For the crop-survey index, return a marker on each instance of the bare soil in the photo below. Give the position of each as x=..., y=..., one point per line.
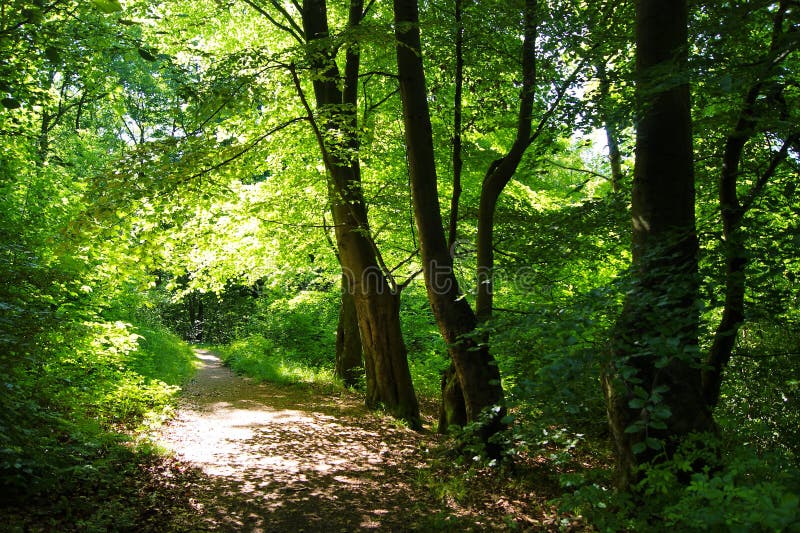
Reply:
x=264, y=457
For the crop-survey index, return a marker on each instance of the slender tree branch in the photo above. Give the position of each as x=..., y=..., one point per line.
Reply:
x=240, y=153
x=575, y=169
x=324, y=225
x=297, y=36
x=408, y=280
x=326, y=157
x=367, y=8
x=407, y=260
x=764, y=178
x=383, y=73
x=560, y=93
x=293, y=23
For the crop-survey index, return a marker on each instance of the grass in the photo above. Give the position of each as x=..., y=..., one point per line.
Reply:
x=70, y=462
x=259, y=358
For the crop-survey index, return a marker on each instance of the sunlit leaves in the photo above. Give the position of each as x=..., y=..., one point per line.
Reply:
x=107, y=6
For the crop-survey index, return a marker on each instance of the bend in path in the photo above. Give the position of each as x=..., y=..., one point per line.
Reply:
x=285, y=458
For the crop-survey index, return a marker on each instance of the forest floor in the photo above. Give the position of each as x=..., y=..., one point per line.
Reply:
x=253, y=456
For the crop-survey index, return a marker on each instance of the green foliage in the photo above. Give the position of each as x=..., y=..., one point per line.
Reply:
x=287, y=339
x=157, y=168
x=71, y=381
x=761, y=392
x=695, y=491
x=427, y=354
x=260, y=358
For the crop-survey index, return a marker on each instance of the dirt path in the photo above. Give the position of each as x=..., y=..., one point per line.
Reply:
x=278, y=458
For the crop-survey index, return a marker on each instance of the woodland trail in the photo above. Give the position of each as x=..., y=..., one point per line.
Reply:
x=286, y=458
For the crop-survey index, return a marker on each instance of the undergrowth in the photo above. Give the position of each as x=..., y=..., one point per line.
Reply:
x=260, y=358
x=67, y=416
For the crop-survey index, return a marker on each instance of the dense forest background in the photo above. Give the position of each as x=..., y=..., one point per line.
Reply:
x=302, y=187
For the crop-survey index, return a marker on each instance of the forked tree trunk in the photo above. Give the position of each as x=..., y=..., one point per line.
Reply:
x=375, y=300
x=653, y=382
x=733, y=210
x=474, y=366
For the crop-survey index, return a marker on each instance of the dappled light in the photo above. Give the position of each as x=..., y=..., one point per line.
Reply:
x=281, y=456
x=437, y=266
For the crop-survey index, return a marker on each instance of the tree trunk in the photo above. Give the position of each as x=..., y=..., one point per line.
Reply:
x=475, y=368
x=376, y=302
x=610, y=126
x=349, y=355
x=653, y=382
x=502, y=170
x=458, y=162
x=453, y=409
x=732, y=212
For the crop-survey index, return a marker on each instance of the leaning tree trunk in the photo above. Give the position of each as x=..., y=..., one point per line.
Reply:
x=733, y=210
x=474, y=366
x=375, y=300
x=501, y=171
x=653, y=381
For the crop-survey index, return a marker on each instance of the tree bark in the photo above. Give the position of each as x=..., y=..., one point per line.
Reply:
x=349, y=354
x=653, y=382
x=474, y=366
x=732, y=212
x=458, y=162
x=375, y=300
x=502, y=170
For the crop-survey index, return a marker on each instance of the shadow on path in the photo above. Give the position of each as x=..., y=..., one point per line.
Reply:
x=287, y=458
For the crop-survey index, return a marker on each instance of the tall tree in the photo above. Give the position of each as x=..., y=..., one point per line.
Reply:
x=653, y=382
x=475, y=368
x=376, y=298
x=763, y=109
x=502, y=170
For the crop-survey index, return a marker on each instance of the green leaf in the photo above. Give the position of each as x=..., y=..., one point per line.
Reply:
x=636, y=427
x=636, y=403
x=639, y=447
x=653, y=443
x=107, y=6
x=146, y=55
x=52, y=54
x=662, y=412
x=10, y=103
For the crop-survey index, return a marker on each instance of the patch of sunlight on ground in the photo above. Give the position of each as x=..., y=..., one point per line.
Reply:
x=284, y=452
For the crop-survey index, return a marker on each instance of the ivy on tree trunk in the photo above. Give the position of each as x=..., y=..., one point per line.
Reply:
x=653, y=380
